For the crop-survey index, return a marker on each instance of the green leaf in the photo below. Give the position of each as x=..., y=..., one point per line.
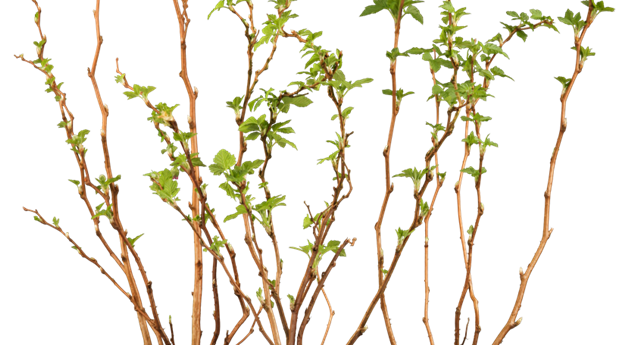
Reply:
x=240, y=209
x=474, y=172
x=536, y=14
x=105, y=182
x=218, y=7
x=402, y=234
x=499, y=72
x=75, y=182
x=378, y=6
x=223, y=161
x=318, y=217
x=486, y=74
x=132, y=241
x=56, y=221
x=415, y=13
x=522, y=35
x=415, y=175
x=259, y=295
x=470, y=230
x=107, y=212
x=77, y=249
x=298, y=101
x=216, y=245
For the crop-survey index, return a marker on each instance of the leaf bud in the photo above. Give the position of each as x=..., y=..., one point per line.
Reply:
x=80, y=189
x=520, y=271
x=363, y=329
x=102, y=133
x=189, y=119
x=67, y=235
x=69, y=125
x=518, y=322
x=95, y=227
x=102, y=270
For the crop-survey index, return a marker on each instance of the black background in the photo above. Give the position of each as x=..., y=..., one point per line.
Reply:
x=77, y=305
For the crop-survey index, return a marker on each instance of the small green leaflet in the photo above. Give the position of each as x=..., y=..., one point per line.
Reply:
x=132, y=241
x=222, y=162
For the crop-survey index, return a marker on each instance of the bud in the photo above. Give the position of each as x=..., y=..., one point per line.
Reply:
x=482, y=208
x=189, y=119
x=69, y=125
x=102, y=133
x=80, y=189
x=518, y=322
x=67, y=235
x=363, y=330
x=426, y=240
x=230, y=247
x=95, y=227
x=102, y=270
x=520, y=271
x=456, y=184
x=92, y=259
x=196, y=91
